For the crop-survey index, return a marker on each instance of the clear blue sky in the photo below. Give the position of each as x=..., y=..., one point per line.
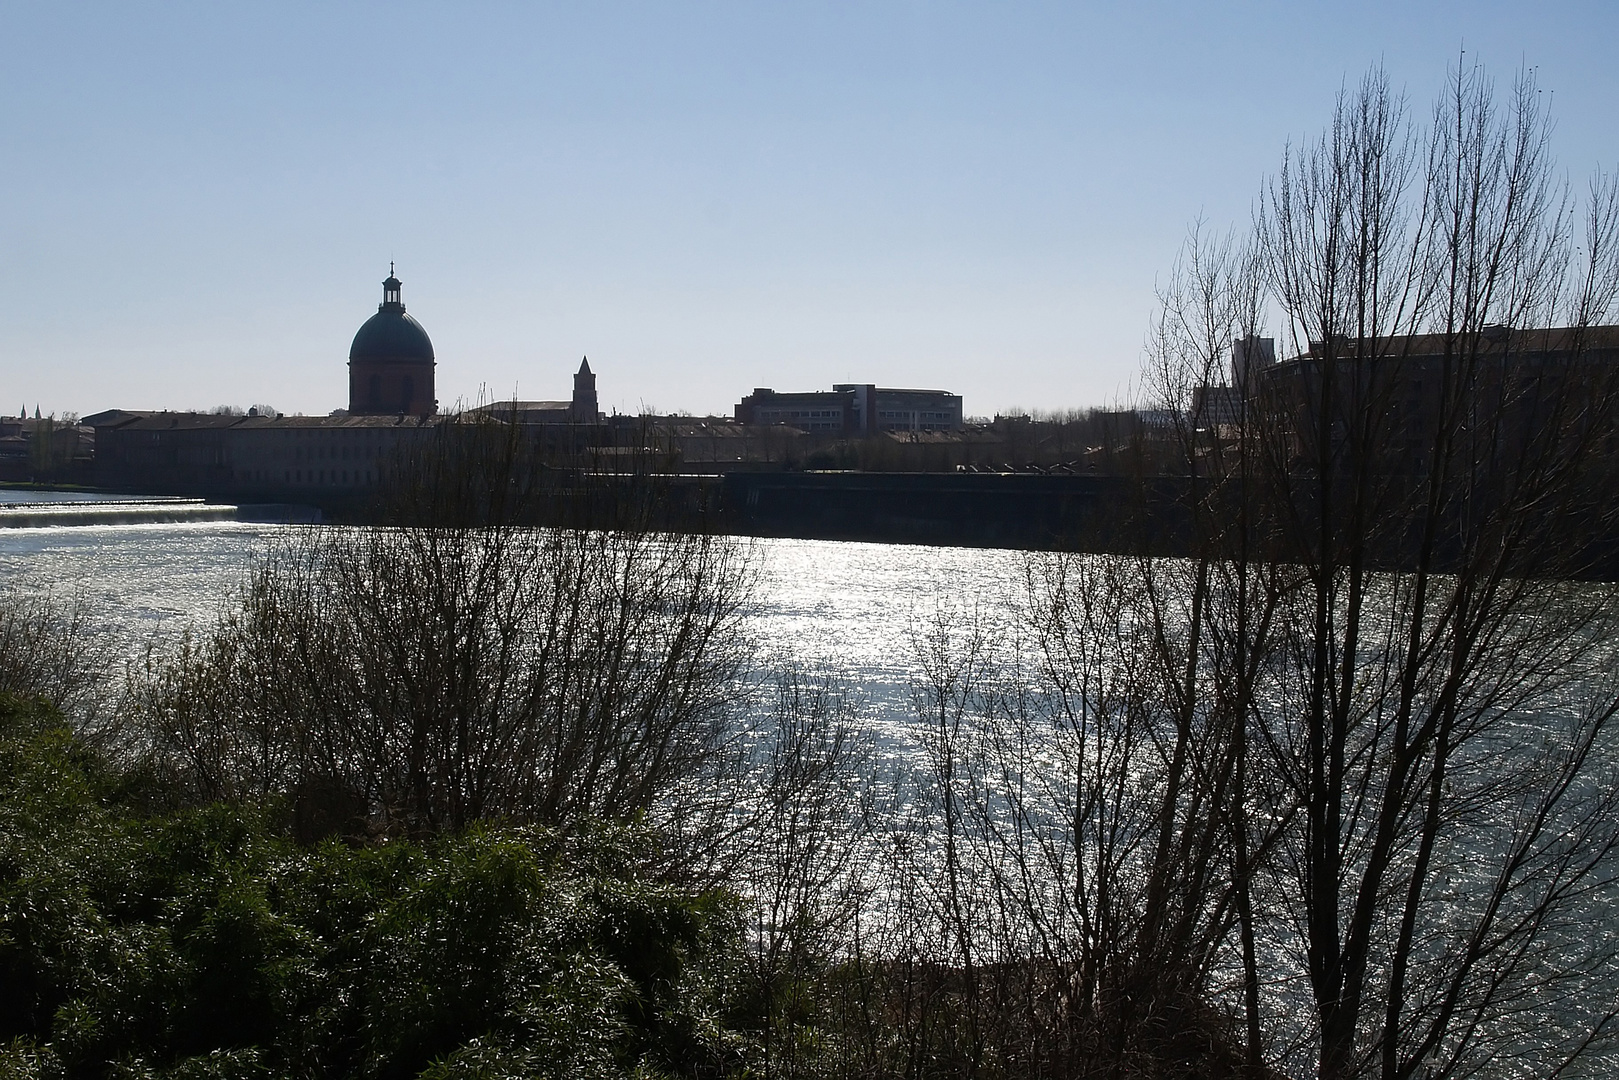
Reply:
x=199, y=201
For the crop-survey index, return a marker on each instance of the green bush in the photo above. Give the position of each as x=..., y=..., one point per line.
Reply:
x=205, y=943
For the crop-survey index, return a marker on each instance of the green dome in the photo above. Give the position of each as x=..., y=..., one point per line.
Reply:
x=391, y=334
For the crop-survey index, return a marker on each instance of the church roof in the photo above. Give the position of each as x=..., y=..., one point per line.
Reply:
x=522, y=406
x=153, y=420
x=391, y=334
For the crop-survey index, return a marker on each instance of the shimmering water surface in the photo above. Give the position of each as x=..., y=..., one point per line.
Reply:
x=849, y=609
x=138, y=578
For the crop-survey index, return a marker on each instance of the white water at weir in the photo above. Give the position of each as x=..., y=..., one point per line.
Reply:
x=65, y=513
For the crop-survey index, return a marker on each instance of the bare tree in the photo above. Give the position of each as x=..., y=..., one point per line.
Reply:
x=467, y=664
x=1383, y=245
x=1343, y=767
x=1382, y=624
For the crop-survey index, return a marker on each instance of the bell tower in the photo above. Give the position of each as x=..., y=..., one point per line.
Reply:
x=584, y=409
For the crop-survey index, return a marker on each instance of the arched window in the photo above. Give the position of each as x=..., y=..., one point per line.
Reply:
x=376, y=392
x=407, y=393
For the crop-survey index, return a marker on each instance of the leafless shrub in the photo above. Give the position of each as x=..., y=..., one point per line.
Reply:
x=806, y=873
x=466, y=664
x=1012, y=868
x=440, y=677
x=51, y=648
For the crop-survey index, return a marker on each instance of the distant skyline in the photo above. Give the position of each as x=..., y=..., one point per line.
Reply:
x=199, y=202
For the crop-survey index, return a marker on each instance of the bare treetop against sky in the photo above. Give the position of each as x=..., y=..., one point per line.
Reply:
x=198, y=202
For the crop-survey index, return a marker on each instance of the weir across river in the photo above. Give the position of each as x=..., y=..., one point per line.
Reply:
x=38, y=515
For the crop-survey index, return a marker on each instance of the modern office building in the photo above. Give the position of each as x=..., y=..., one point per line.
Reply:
x=853, y=409
x=881, y=408
x=816, y=410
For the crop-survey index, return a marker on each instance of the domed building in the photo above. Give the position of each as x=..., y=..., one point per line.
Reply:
x=391, y=362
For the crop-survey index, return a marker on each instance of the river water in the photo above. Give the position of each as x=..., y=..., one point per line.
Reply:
x=852, y=611
x=846, y=609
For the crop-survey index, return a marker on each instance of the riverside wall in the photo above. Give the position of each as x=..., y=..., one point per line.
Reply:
x=1012, y=510
x=1032, y=511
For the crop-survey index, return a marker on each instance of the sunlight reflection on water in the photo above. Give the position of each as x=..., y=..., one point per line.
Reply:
x=137, y=578
x=854, y=609
x=846, y=609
